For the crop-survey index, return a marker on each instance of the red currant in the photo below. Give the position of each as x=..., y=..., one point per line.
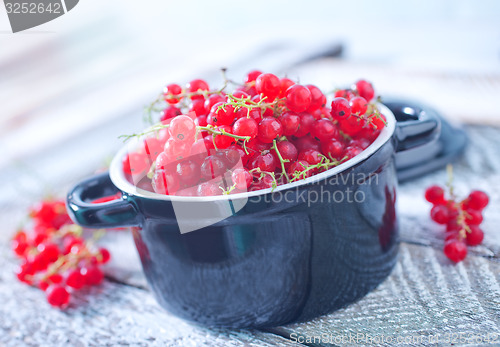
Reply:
x=333, y=149
x=365, y=89
x=188, y=171
x=165, y=182
x=298, y=98
x=290, y=123
x=268, y=85
x=440, y=214
x=197, y=86
x=340, y=108
x=222, y=114
x=318, y=99
x=285, y=84
x=306, y=122
x=241, y=178
x=455, y=250
x=435, y=195
x=213, y=167
x=170, y=112
x=252, y=76
x=75, y=279
x=246, y=127
x=223, y=141
x=324, y=130
x=477, y=200
x=182, y=129
x=358, y=105
x=57, y=296
x=171, y=92
x=92, y=275
x=475, y=236
x=265, y=161
x=269, y=129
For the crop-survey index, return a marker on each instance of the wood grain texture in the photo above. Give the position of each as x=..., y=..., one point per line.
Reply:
x=425, y=295
x=110, y=315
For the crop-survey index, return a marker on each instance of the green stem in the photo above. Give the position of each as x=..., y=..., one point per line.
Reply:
x=282, y=161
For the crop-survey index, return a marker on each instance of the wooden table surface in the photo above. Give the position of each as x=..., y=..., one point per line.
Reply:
x=69, y=129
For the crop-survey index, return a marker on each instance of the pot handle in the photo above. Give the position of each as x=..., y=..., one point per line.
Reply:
x=111, y=214
x=416, y=124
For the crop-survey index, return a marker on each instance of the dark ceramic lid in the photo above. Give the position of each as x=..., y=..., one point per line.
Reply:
x=433, y=153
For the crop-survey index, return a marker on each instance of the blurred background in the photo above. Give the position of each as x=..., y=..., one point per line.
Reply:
x=70, y=87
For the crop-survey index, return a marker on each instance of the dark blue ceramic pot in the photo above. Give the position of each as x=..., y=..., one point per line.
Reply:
x=265, y=258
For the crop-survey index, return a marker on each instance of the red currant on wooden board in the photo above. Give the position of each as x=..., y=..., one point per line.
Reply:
x=461, y=217
x=267, y=132
x=56, y=256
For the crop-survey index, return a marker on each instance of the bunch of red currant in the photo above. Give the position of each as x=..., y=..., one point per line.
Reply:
x=462, y=219
x=269, y=131
x=55, y=256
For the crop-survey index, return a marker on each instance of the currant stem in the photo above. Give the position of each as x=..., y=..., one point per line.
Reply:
x=282, y=161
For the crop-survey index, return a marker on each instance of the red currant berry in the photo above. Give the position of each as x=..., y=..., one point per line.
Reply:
x=92, y=275
x=222, y=114
x=197, y=86
x=299, y=167
x=340, y=108
x=213, y=167
x=475, y=236
x=268, y=85
x=246, y=127
x=352, y=125
x=264, y=161
x=298, y=98
x=241, y=178
x=324, y=130
x=104, y=256
x=49, y=251
x=201, y=121
x=365, y=89
x=75, y=279
x=135, y=163
x=19, y=247
x=477, y=200
x=224, y=141
x=165, y=182
x=344, y=93
x=25, y=271
x=212, y=100
x=153, y=147
x=358, y=105
x=306, y=142
x=290, y=123
x=208, y=189
x=198, y=107
x=288, y=151
x=473, y=217
x=170, y=112
x=188, y=171
x=171, y=92
x=352, y=151
x=252, y=76
x=435, y=195
x=312, y=156
x=57, y=296
x=182, y=129
x=455, y=250
x=333, y=149
x=269, y=129
x=306, y=122
x=440, y=214
x=176, y=150
x=318, y=99
x=285, y=84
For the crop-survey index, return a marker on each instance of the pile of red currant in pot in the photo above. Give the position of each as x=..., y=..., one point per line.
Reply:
x=268, y=131
x=55, y=255
x=462, y=219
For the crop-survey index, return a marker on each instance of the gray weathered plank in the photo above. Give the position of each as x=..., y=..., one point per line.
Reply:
x=108, y=315
x=425, y=295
